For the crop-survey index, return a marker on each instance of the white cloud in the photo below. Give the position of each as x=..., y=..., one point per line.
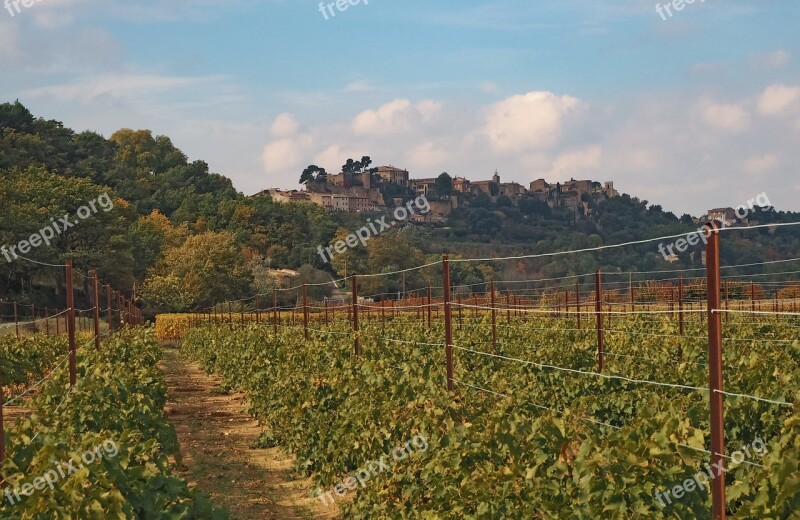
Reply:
x=488, y=86
x=584, y=162
x=391, y=118
x=89, y=89
x=761, y=164
x=528, y=122
x=776, y=99
x=285, y=155
x=730, y=118
x=396, y=117
x=334, y=156
x=428, y=109
x=427, y=156
x=285, y=125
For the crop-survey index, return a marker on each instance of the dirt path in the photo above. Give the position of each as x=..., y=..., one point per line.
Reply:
x=218, y=441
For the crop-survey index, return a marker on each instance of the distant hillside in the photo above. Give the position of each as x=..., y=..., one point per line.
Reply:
x=175, y=222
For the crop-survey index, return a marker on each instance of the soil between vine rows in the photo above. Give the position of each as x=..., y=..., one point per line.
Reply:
x=218, y=439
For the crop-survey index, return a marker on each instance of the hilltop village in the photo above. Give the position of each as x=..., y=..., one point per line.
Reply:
x=386, y=187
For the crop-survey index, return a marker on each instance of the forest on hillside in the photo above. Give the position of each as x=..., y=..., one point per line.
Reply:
x=183, y=238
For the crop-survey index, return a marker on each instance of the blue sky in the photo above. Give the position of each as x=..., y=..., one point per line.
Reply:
x=700, y=110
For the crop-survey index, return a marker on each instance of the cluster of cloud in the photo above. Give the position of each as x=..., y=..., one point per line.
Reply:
x=648, y=142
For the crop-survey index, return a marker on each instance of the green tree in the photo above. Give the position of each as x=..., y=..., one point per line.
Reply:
x=210, y=267
x=313, y=174
x=444, y=185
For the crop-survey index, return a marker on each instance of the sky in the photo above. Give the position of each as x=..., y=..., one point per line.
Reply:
x=691, y=111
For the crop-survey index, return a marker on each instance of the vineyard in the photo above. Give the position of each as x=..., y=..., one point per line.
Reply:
x=504, y=260
x=518, y=440
x=668, y=394
x=53, y=466
x=545, y=403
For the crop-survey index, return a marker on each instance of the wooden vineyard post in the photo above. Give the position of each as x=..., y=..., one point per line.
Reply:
x=274, y=311
x=630, y=291
x=383, y=317
x=258, y=317
x=120, y=310
x=671, y=300
x=448, y=326
x=110, y=315
x=356, y=342
x=508, y=306
x=578, y=304
x=326, y=310
x=715, y=373
x=680, y=304
x=599, y=311
x=16, y=319
x=73, y=369
x=305, y=311
x=96, y=310
x=429, y=306
x=46, y=321
x=494, y=319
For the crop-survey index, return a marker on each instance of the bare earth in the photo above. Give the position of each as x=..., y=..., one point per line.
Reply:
x=218, y=440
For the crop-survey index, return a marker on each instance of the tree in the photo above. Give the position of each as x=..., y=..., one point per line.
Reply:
x=352, y=260
x=387, y=253
x=210, y=267
x=264, y=281
x=317, y=280
x=352, y=168
x=313, y=174
x=534, y=207
x=504, y=201
x=444, y=185
x=150, y=236
x=167, y=293
x=98, y=239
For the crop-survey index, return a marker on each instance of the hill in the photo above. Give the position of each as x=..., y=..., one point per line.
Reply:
x=182, y=237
